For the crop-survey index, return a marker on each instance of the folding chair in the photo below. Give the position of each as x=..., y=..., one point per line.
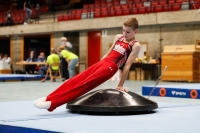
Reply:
x=54, y=73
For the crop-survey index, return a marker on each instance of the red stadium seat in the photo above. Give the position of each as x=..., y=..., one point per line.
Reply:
x=158, y=8
x=104, y=13
x=154, y=3
x=66, y=17
x=141, y=10
x=84, y=10
x=110, y=8
x=46, y=9
x=103, y=4
x=14, y=19
x=166, y=8
x=19, y=20
x=43, y=10
x=73, y=11
x=131, y=6
x=116, y=2
x=149, y=9
x=104, y=8
x=118, y=12
x=97, y=1
x=97, y=9
x=117, y=7
x=129, y=1
x=79, y=11
x=136, y=1
x=126, y=11
x=97, y=14
x=85, y=6
x=176, y=7
x=135, y=11
x=91, y=10
x=124, y=6
x=77, y=16
x=139, y=4
x=112, y=13
x=162, y=2
x=97, y=4
x=171, y=1
x=109, y=3
x=60, y=18
x=179, y=1
x=22, y=18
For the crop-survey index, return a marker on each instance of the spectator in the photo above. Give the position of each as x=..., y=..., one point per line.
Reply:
x=53, y=58
x=65, y=42
x=31, y=68
x=41, y=57
x=27, y=8
x=64, y=63
x=71, y=58
x=7, y=59
x=9, y=19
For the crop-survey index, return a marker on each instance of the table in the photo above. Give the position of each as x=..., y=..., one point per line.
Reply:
x=147, y=66
x=31, y=63
x=23, y=63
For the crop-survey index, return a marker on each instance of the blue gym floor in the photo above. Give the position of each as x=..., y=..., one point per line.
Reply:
x=20, y=77
x=17, y=113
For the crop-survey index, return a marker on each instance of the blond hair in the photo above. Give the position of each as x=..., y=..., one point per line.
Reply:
x=131, y=22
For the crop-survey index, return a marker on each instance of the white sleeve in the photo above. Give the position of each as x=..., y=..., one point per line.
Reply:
x=69, y=45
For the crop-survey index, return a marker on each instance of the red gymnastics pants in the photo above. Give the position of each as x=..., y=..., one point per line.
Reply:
x=82, y=83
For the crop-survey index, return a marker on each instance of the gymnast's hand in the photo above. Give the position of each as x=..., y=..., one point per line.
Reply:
x=122, y=89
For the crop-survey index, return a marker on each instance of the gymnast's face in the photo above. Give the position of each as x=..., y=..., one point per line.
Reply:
x=129, y=33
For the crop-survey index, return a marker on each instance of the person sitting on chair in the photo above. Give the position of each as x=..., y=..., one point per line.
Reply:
x=41, y=57
x=6, y=58
x=31, y=68
x=53, y=58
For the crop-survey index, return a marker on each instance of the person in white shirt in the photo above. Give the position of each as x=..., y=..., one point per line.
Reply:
x=6, y=59
x=65, y=42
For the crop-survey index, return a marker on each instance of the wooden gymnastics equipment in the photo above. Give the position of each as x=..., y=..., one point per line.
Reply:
x=184, y=65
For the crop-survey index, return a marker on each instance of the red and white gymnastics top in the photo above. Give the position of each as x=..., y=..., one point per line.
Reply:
x=121, y=51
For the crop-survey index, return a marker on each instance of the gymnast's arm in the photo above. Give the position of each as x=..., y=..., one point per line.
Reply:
x=134, y=54
x=116, y=38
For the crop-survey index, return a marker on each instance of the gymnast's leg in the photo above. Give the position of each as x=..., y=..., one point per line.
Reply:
x=79, y=85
